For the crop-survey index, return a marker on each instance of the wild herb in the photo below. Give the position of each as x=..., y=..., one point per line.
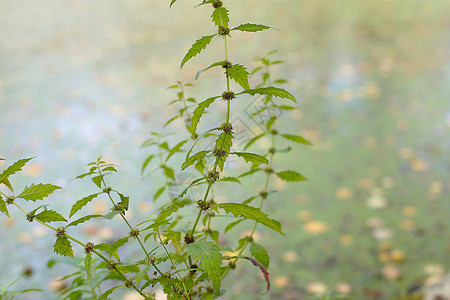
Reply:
x=181, y=249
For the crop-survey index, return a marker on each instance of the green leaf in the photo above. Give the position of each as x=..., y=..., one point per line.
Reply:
x=48, y=216
x=80, y=203
x=159, y=192
x=169, y=172
x=14, y=168
x=260, y=253
x=253, y=213
x=143, y=273
x=105, y=295
x=270, y=91
x=232, y=224
x=3, y=207
x=251, y=27
x=37, y=192
x=172, y=2
x=197, y=47
x=194, y=158
x=220, y=16
x=224, y=142
x=83, y=219
x=253, y=140
x=231, y=179
x=119, y=243
x=6, y=182
x=175, y=149
x=296, y=138
x=254, y=158
x=239, y=74
x=98, y=180
x=208, y=254
x=125, y=200
x=109, y=249
x=219, y=63
x=199, y=110
x=290, y=175
x=88, y=265
x=62, y=247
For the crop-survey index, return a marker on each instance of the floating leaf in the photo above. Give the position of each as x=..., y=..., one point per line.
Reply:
x=253, y=213
x=251, y=27
x=62, y=247
x=260, y=253
x=14, y=168
x=220, y=16
x=296, y=138
x=48, y=216
x=208, y=254
x=80, y=203
x=198, y=112
x=290, y=175
x=197, y=47
x=270, y=91
x=239, y=74
x=37, y=192
x=254, y=158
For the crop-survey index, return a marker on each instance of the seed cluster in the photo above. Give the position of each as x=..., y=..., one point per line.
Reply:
x=134, y=233
x=89, y=247
x=60, y=232
x=226, y=127
x=223, y=31
x=219, y=152
x=213, y=176
x=228, y=95
x=203, y=205
x=217, y=4
x=188, y=238
x=226, y=65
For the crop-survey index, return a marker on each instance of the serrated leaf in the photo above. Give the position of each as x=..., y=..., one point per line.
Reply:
x=48, y=216
x=199, y=110
x=88, y=265
x=14, y=168
x=83, y=219
x=296, y=138
x=143, y=273
x=209, y=257
x=251, y=27
x=119, y=243
x=109, y=249
x=3, y=207
x=124, y=199
x=254, y=158
x=63, y=247
x=105, y=295
x=80, y=203
x=37, y=192
x=224, y=142
x=220, y=16
x=197, y=47
x=290, y=175
x=260, y=253
x=270, y=91
x=194, y=158
x=219, y=63
x=240, y=75
x=253, y=213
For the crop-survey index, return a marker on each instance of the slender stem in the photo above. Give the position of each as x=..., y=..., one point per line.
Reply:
x=84, y=246
x=147, y=255
x=174, y=266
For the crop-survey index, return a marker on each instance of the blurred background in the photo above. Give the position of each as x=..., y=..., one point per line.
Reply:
x=81, y=79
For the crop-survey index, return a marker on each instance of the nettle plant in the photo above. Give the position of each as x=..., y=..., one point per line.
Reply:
x=182, y=251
